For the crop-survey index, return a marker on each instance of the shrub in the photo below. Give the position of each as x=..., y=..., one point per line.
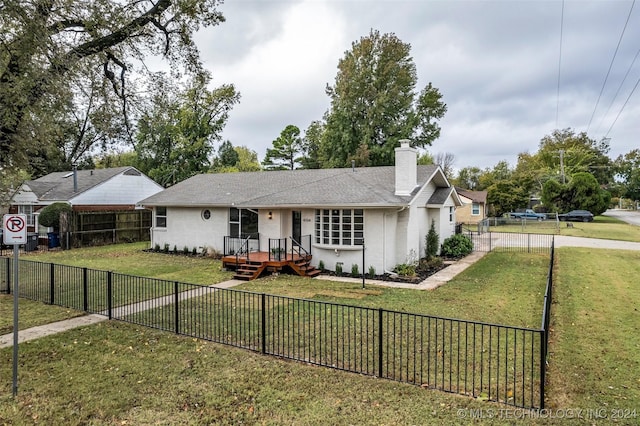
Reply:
x=321, y=265
x=166, y=248
x=372, y=271
x=156, y=247
x=458, y=245
x=433, y=239
x=354, y=270
x=339, y=268
x=175, y=249
x=405, y=269
x=194, y=251
x=185, y=250
x=50, y=215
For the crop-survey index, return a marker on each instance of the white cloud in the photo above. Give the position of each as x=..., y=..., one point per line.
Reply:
x=495, y=62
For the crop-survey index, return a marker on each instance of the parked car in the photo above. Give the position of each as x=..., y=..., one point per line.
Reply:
x=528, y=214
x=577, y=216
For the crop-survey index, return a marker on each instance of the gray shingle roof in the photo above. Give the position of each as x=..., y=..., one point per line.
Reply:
x=439, y=196
x=58, y=186
x=367, y=186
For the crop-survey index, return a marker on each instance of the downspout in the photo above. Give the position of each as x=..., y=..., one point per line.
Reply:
x=384, y=239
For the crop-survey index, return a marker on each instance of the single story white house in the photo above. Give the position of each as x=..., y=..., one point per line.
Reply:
x=332, y=213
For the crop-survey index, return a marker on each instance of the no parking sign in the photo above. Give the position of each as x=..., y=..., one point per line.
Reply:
x=15, y=228
x=15, y=232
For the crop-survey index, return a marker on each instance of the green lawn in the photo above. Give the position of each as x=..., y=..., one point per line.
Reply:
x=114, y=373
x=604, y=227
x=132, y=259
x=30, y=313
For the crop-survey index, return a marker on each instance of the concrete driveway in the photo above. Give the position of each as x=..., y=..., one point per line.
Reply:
x=629, y=216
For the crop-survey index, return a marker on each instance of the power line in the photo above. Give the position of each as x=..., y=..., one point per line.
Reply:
x=560, y=64
x=624, y=105
x=611, y=65
x=619, y=87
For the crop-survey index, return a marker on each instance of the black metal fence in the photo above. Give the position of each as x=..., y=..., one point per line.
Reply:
x=509, y=241
x=495, y=362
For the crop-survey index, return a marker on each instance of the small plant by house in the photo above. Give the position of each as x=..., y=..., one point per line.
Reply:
x=354, y=270
x=456, y=246
x=432, y=240
x=339, y=268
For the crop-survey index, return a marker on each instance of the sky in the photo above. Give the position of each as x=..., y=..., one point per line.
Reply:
x=510, y=71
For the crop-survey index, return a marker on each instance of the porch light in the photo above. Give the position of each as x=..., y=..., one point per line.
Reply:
x=270, y=215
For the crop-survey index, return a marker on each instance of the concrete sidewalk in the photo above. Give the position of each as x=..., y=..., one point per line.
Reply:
x=59, y=326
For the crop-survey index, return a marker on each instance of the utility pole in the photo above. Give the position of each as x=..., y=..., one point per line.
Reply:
x=562, y=165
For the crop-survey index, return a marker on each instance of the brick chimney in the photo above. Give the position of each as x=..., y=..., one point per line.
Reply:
x=406, y=168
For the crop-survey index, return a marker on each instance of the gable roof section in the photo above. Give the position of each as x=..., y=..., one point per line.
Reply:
x=441, y=195
x=366, y=186
x=58, y=186
x=474, y=196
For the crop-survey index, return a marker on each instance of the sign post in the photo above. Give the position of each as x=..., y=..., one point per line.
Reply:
x=15, y=232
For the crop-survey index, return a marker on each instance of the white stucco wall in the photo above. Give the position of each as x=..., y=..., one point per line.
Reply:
x=186, y=227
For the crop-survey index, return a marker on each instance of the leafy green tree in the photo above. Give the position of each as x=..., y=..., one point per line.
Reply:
x=553, y=194
x=176, y=135
x=46, y=44
x=247, y=160
x=227, y=157
x=505, y=196
x=116, y=159
x=285, y=154
x=374, y=104
x=566, y=153
x=425, y=159
x=584, y=192
x=469, y=178
x=310, y=158
x=628, y=171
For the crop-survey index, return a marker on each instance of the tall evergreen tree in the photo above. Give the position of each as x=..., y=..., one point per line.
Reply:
x=286, y=150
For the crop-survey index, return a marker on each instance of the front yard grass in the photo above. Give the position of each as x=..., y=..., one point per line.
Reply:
x=115, y=373
x=603, y=227
x=595, y=349
x=132, y=259
x=31, y=314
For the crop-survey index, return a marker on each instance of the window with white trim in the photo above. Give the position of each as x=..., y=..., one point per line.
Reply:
x=452, y=214
x=475, y=209
x=27, y=209
x=339, y=227
x=161, y=217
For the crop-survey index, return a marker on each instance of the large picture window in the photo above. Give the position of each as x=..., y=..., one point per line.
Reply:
x=243, y=223
x=161, y=217
x=339, y=227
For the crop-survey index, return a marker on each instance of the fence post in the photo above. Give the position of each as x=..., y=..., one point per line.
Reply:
x=543, y=366
x=8, y=276
x=109, y=294
x=176, y=302
x=380, y=352
x=52, y=283
x=263, y=332
x=85, y=296
x=528, y=243
x=490, y=239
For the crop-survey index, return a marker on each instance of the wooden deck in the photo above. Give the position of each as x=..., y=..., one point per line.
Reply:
x=258, y=263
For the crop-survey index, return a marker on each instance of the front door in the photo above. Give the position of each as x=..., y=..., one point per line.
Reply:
x=296, y=225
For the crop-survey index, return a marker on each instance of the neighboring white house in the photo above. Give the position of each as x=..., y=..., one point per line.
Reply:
x=388, y=209
x=85, y=190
